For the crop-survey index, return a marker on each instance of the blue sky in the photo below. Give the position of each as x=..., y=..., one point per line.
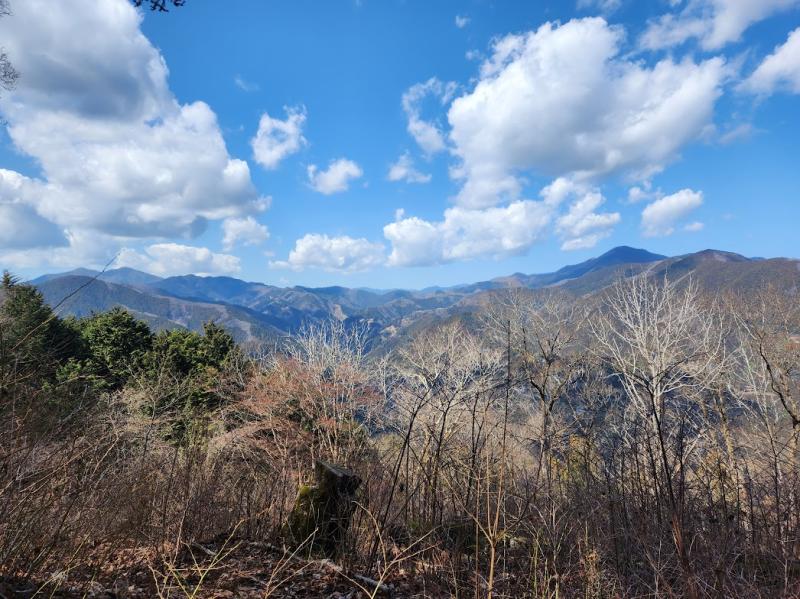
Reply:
x=396, y=143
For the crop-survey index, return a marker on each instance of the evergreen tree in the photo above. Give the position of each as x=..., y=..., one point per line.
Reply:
x=116, y=344
x=33, y=340
x=189, y=368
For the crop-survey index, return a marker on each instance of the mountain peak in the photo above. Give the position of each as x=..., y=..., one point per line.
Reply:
x=720, y=256
x=622, y=254
x=122, y=276
x=626, y=253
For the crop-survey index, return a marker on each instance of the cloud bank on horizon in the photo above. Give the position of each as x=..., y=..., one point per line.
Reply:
x=559, y=135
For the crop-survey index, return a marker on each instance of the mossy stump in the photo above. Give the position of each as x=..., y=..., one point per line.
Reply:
x=321, y=514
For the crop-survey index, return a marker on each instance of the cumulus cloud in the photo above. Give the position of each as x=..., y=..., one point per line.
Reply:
x=638, y=194
x=168, y=259
x=243, y=231
x=118, y=153
x=276, y=139
x=336, y=178
x=714, y=23
x=415, y=242
x=23, y=227
x=28, y=230
x=462, y=21
x=84, y=248
x=498, y=231
x=404, y=170
x=659, y=218
x=465, y=233
x=582, y=227
x=779, y=70
x=343, y=253
x=427, y=134
x=563, y=101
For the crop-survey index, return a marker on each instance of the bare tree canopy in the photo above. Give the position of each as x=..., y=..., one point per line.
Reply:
x=8, y=74
x=159, y=5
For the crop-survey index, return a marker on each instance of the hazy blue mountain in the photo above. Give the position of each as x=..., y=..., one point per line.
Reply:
x=215, y=289
x=122, y=276
x=257, y=311
x=78, y=272
x=161, y=312
x=614, y=257
x=619, y=255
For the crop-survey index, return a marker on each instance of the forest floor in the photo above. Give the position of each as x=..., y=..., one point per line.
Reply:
x=218, y=570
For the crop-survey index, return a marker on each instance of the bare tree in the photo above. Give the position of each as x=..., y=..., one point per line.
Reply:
x=772, y=322
x=159, y=5
x=663, y=350
x=443, y=370
x=8, y=74
x=543, y=329
x=337, y=395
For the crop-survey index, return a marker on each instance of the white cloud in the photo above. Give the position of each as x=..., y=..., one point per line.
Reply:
x=168, y=259
x=84, y=248
x=343, y=253
x=403, y=170
x=604, y=6
x=737, y=132
x=561, y=100
x=245, y=85
x=462, y=21
x=465, y=234
x=558, y=190
x=638, y=194
x=415, y=241
x=660, y=217
x=245, y=231
x=118, y=154
x=427, y=134
x=473, y=55
x=22, y=226
x=694, y=227
x=277, y=139
x=779, y=70
x=336, y=178
x=714, y=23
x=29, y=229
x=581, y=227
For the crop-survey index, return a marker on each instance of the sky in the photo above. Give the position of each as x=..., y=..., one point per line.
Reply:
x=395, y=143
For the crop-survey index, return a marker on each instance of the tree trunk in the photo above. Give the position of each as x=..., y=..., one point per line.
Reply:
x=322, y=512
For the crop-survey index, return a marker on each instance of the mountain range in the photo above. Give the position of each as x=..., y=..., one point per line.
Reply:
x=260, y=312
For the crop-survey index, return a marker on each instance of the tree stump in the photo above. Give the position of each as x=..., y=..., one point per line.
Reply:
x=321, y=514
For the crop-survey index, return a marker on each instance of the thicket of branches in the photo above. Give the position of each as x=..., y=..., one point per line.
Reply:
x=8, y=74
x=643, y=443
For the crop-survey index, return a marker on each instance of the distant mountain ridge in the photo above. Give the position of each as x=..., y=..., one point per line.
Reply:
x=258, y=311
x=158, y=310
x=123, y=276
x=614, y=257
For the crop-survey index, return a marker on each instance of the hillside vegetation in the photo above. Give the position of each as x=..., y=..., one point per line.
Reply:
x=638, y=440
